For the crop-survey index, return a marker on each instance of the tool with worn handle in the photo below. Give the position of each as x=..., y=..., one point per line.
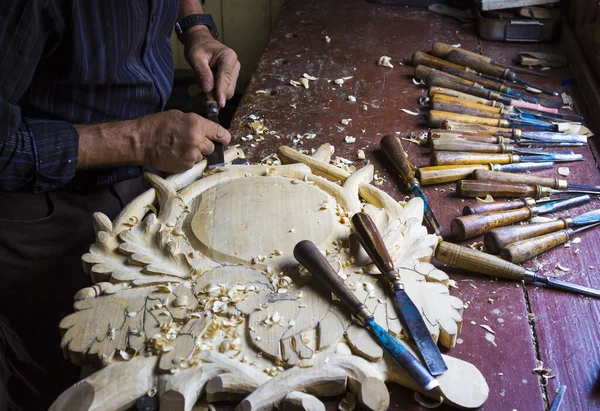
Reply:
x=438, y=134
x=464, y=146
x=437, y=118
x=481, y=208
x=555, y=183
x=445, y=174
x=479, y=262
x=516, y=133
x=469, y=226
x=478, y=188
x=217, y=157
x=498, y=238
x=393, y=150
x=448, y=158
x=311, y=258
x=524, y=250
x=483, y=82
x=371, y=240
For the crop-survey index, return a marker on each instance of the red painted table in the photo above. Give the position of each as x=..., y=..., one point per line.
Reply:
x=531, y=323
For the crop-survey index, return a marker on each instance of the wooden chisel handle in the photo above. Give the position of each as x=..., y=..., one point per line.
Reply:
x=480, y=129
x=504, y=177
x=462, y=59
x=427, y=73
x=497, y=206
x=437, y=118
x=466, y=103
x=307, y=254
x=499, y=238
x=477, y=261
x=461, y=109
x=445, y=174
x=424, y=59
x=526, y=249
x=441, y=50
x=476, y=188
x=468, y=146
x=449, y=158
x=393, y=150
x=483, y=82
x=444, y=81
x=469, y=226
x=442, y=91
x=469, y=137
x=372, y=242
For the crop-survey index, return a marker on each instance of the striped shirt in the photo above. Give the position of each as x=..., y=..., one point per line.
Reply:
x=68, y=62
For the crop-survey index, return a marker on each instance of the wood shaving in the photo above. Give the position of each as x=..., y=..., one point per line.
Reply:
x=576, y=240
x=491, y=338
x=339, y=81
x=412, y=113
x=345, y=121
x=429, y=403
x=487, y=328
x=304, y=82
x=385, y=61
x=260, y=92
x=360, y=155
x=364, y=107
x=487, y=199
x=418, y=82
x=327, y=39
x=309, y=77
x=349, y=139
x=351, y=99
x=561, y=268
x=295, y=83
x=491, y=300
x=564, y=171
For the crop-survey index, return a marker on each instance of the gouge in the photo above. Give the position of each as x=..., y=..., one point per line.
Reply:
x=449, y=158
x=371, y=240
x=555, y=183
x=437, y=118
x=477, y=188
x=465, y=60
x=447, y=135
x=524, y=250
x=437, y=90
x=481, y=208
x=476, y=147
x=393, y=150
x=469, y=226
x=516, y=133
x=499, y=238
x=479, y=262
x=483, y=82
x=311, y=258
x=217, y=157
x=445, y=174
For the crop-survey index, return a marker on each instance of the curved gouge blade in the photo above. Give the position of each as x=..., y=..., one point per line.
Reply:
x=565, y=286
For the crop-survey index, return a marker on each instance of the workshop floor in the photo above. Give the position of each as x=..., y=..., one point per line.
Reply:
x=531, y=324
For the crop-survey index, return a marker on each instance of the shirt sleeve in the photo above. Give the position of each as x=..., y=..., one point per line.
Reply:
x=35, y=154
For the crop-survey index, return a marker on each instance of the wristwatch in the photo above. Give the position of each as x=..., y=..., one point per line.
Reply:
x=196, y=20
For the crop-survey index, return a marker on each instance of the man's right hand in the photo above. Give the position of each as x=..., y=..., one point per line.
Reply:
x=171, y=141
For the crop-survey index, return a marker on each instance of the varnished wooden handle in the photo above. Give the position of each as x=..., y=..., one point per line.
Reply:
x=445, y=174
x=477, y=261
x=499, y=238
x=465, y=86
x=307, y=254
x=466, y=103
x=483, y=82
x=441, y=50
x=525, y=249
x=435, y=135
x=481, y=208
x=461, y=109
x=449, y=158
x=427, y=73
x=504, y=177
x=465, y=60
x=465, y=146
x=442, y=91
x=477, y=188
x=479, y=129
x=393, y=150
x=424, y=59
x=372, y=242
x=470, y=226
x=437, y=118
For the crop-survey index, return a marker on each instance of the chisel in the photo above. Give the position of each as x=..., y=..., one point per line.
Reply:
x=435, y=134
x=499, y=238
x=437, y=118
x=469, y=226
x=371, y=240
x=445, y=174
x=393, y=150
x=311, y=258
x=217, y=157
x=479, y=262
x=448, y=158
x=516, y=133
x=524, y=250
x=481, y=208
x=477, y=188
x=555, y=183
x=475, y=147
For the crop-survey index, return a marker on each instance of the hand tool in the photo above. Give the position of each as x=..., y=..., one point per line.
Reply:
x=371, y=240
x=217, y=157
x=444, y=135
x=477, y=188
x=524, y=250
x=437, y=118
x=465, y=60
x=393, y=150
x=311, y=258
x=512, y=132
x=449, y=158
x=558, y=399
x=499, y=238
x=450, y=144
x=555, y=183
x=481, y=208
x=441, y=50
x=469, y=226
x=492, y=266
x=445, y=174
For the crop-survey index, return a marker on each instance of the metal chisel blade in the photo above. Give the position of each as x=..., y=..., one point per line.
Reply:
x=429, y=216
x=574, y=288
x=413, y=320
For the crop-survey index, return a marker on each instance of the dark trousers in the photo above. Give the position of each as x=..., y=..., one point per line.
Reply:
x=42, y=239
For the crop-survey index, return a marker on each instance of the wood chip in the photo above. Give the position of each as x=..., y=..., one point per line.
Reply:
x=561, y=268
x=295, y=83
x=304, y=82
x=349, y=139
x=327, y=39
x=360, y=155
x=412, y=113
x=385, y=61
x=309, y=77
x=576, y=240
x=564, y=171
x=351, y=98
x=345, y=121
x=487, y=199
x=487, y=328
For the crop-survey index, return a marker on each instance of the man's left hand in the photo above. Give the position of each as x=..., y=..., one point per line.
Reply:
x=204, y=54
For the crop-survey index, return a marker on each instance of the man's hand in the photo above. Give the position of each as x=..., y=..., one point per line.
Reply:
x=204, y=54
x=170, y=141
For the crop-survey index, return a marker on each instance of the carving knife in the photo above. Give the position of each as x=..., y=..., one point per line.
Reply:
x=393, y=150
x=478, y=188
x=411, y=317
x=444, y=174
x=482, y=263
x=503, y=205
x=310, y=257
x=448, y=158
x=556, y=183
x=217, y=157
x=516, y=133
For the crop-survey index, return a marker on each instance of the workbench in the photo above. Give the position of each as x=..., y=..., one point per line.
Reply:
x=531, y=323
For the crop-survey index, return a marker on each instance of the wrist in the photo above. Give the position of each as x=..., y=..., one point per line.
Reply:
x=196, y=31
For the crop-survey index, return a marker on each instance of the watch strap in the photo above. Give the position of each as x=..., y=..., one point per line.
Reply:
x=196, y=20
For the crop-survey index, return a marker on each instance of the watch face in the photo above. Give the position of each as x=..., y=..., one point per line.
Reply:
x=178, y=30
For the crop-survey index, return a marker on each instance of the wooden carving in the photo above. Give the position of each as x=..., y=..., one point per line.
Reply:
x=197, y=293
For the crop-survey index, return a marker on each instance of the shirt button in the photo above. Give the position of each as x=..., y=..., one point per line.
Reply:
x=153, y=70
x=153, y=18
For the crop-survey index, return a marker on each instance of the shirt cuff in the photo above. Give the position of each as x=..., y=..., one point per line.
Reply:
x=56, y=151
